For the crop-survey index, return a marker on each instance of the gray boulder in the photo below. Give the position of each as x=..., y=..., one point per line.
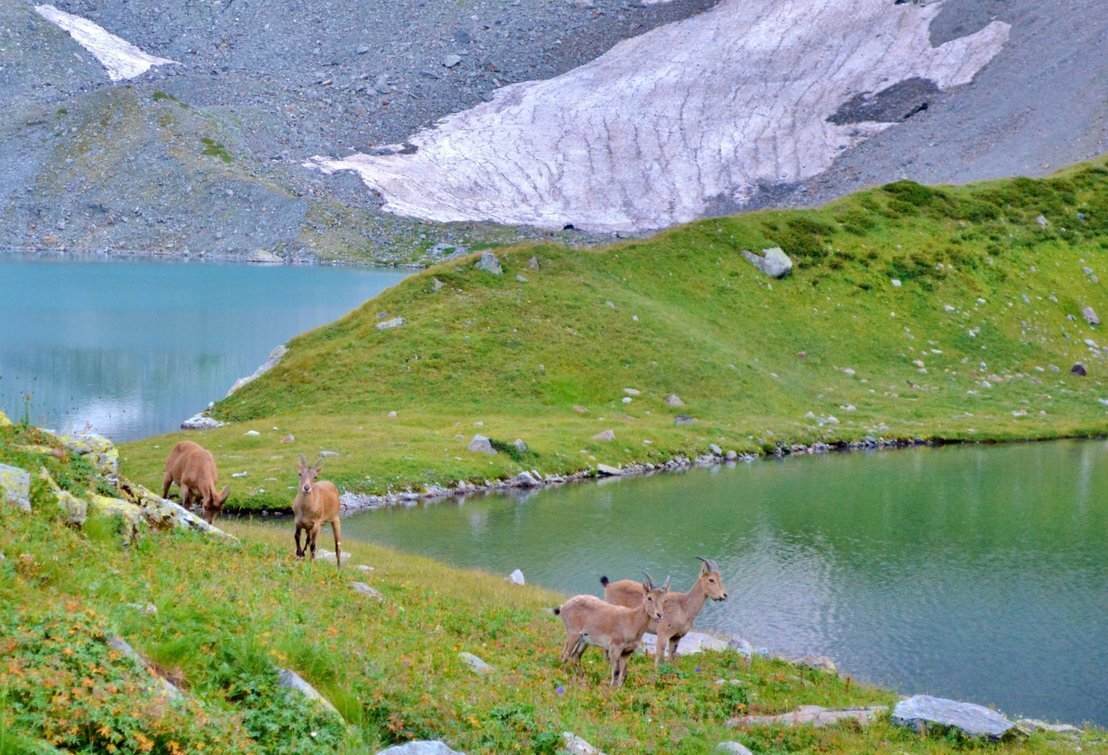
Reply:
x=604, y=436
x=159, y=683
x=674, y=400
x=201, y=421
x=15, y=486
x=394, y=322
x=813, y=715
x=292, y=680
x=922, y=712
x=574, y=745
x=605, y=470
x=775, y=263
x=475, y=664
x=489, y=263
x=733, y=747
x=422, y=747
x=1090, y=315
x=363, y=589
x=481, y=445
x=516, y=577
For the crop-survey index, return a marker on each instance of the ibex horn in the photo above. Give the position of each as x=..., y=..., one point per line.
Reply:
x=665, y=585
x=709, y=564
x=303, y=461
x=649, y=580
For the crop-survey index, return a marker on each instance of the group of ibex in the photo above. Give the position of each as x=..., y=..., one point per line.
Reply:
x=631, y=609
x=192, y=468
x=615, y=624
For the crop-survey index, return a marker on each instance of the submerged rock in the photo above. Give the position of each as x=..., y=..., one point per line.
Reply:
x=922, y=712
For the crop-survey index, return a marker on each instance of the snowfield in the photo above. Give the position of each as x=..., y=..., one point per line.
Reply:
x=121, y=58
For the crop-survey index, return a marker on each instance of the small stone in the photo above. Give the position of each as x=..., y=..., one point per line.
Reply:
x=627, y=399
x=605, y=470
x=521, y=279
x=683, y=419
x=1079, y=369
x=392, y=414
x=533, y=263
x=420, y=747
x=734, y=748
x=290, y=438
x=580, y=409
x=1042, y=221
x=322, y=554
x=632, y=391
x=481, y=445
x=516, y=577
x=732, y=456
x=490, y=263
x=436, y=284
x=394, y=322
x=251, y=433
x=475, y=664
x=674, y=400
x=604, y=436
x=715, y=449
x=1090, y=315
x=849, y=372
x=896, y=283
x=363, y=589
x=364, y=567
x=451, y=60
x=819, y=663
x=574, y=745
x=328, y=454
x=362, y=49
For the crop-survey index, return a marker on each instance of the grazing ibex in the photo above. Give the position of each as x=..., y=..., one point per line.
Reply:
x=618, y=630
x=192, y=468
x=316, y=504
x=679, y=610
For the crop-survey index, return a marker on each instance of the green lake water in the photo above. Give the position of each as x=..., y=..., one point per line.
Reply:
x=979, y=573
x=132, y=348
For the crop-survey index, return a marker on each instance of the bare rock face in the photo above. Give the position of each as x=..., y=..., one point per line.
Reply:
x=773, y=262
x=922, y=712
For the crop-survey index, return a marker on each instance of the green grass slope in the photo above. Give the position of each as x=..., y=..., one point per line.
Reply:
x=975, y=344
x=219, y=618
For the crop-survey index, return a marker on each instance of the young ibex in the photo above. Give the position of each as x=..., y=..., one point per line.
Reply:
x=679, y=610
x=316, y=504
x=616, y=629
x=192, y=468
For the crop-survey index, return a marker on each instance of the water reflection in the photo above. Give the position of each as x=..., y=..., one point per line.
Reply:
x=132, y=348
x=979, y=573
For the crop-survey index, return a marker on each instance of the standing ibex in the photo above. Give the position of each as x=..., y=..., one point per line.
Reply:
x=192, y=468
x=316, y=504
x=618, y=630
x=679, y=610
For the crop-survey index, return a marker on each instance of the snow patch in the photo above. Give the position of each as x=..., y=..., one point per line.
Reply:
x=122, y=59
x=668, y=126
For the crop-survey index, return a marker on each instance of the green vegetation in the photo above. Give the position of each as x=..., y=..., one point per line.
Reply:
x=212, y=148
x=228, y=615
x=976, y=344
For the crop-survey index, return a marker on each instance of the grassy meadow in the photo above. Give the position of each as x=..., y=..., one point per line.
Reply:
x=943, y=313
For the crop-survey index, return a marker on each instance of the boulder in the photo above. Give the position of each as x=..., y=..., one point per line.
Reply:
x=127, y=512
x=292, y=680
x=201, y=421
x=574, y=745
x=481, y=445
x=525, y=480
x=818, y=662
x=715, y=449
x=161, y=513
x=813, y=715
x=489, y=263
x=74, y=509
x=516, y=577
x=520, y=445
x=420, y=747
x=475, y=664
x=608, y=471
x=773, y=261
x=922, y=712
x=1090, y=315
x=394, y=322
x=693, y=642
x=159, y=683
x=674, y=400
x=735, y=748
x=604, y=436
x=15, y=486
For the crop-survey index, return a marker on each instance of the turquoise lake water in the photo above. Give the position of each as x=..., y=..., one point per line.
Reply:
x=132, y=348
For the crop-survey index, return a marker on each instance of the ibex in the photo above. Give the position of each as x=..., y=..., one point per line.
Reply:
x=316, y=504
x=616, y=629
x=192, y=468
x=679, y=610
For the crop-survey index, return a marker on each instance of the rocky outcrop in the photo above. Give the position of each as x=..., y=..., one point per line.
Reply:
x=272, y=361
x=15, y=486
x=924, y=712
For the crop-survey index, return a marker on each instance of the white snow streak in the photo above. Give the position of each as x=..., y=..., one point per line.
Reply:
x=663, y=126
x=122, y=59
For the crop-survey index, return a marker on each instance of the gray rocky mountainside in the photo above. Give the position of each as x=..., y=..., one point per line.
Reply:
x=207, y=155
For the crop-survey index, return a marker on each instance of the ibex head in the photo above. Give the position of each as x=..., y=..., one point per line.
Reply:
x=713, y=581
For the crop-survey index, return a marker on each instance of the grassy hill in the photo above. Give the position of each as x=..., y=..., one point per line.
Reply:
x=219, y=618
x=975, y=343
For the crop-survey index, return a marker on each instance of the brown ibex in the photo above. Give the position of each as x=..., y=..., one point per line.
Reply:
x=192, y=468
x=615, y=629
x=316, y=504
x=679, y=610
